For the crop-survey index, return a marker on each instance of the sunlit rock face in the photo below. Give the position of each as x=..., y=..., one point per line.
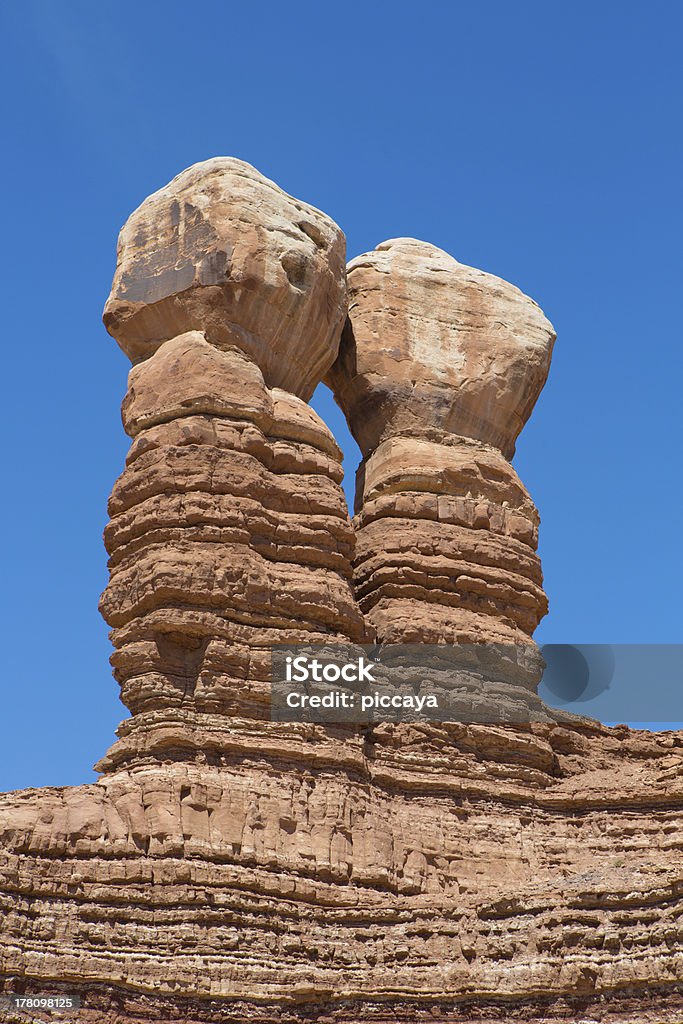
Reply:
x=434, y=345
x=438, y=371
x=226, y=868
x=229, y=530
x=223, y=250
x=228, y=533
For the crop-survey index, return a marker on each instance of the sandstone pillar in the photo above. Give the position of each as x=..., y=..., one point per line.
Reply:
x=439, y=368
x=228, y=529
x=225, y=868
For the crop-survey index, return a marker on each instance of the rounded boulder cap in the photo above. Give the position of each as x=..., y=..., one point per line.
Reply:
x=223, y=250
x=432, y=344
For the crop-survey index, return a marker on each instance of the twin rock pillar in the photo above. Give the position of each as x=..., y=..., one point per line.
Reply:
x=228, y=867
x=229, y=530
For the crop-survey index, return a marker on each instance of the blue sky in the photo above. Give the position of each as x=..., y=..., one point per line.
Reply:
x=540, y=142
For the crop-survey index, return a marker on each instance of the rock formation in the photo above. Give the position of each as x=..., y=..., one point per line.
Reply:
x=439, y=369
x=228, y=868
x=223, y=250
x=229, y=529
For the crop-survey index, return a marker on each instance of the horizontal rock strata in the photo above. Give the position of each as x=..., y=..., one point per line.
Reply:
x=229, y=530
x=527, y=875
x=228, y=533
x=226, y=868
x=438, y=369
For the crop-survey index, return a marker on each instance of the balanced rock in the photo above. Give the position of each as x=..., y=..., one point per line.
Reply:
x=227, y=868
x=223, y=250
x=433, y=345
x=229, y=531
x=438, y=370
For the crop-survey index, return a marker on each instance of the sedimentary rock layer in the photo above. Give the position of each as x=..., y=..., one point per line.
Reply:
x=228, y=533
x=445, y=545
x=229, y=868
x=442, y=875
x=438, y=369
x=229, y=530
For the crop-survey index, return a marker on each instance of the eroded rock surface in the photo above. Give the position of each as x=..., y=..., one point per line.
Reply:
x=229, y=868
x=438, y=370
x=228, y=533
x=433, y=345
x=448, y=874
x=223, y=250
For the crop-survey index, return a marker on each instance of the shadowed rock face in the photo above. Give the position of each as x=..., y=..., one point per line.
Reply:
x=226, y=868
x=223, y=250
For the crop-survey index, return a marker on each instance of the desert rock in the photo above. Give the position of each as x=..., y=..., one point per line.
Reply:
x=454, y=874
x=228, y=868
x=438, y=370
x=432, y=343
x=228, y=533
x=223, y=250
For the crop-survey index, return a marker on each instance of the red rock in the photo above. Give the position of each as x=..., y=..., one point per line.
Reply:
x=431, y=343
x=228, y=868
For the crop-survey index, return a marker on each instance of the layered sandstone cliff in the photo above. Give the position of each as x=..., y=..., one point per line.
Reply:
x=230, y=868
x=531, y=876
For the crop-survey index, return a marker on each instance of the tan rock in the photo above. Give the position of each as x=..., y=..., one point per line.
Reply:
x=228, y=533
x=223, y=250
x=433, y=343
x=445, y=545
x=440, y=873
x=439, y=368
x=229, y=530
x=228, y=868
x=189, y=377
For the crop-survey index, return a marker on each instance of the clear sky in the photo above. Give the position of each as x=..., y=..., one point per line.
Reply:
x=539, y=141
